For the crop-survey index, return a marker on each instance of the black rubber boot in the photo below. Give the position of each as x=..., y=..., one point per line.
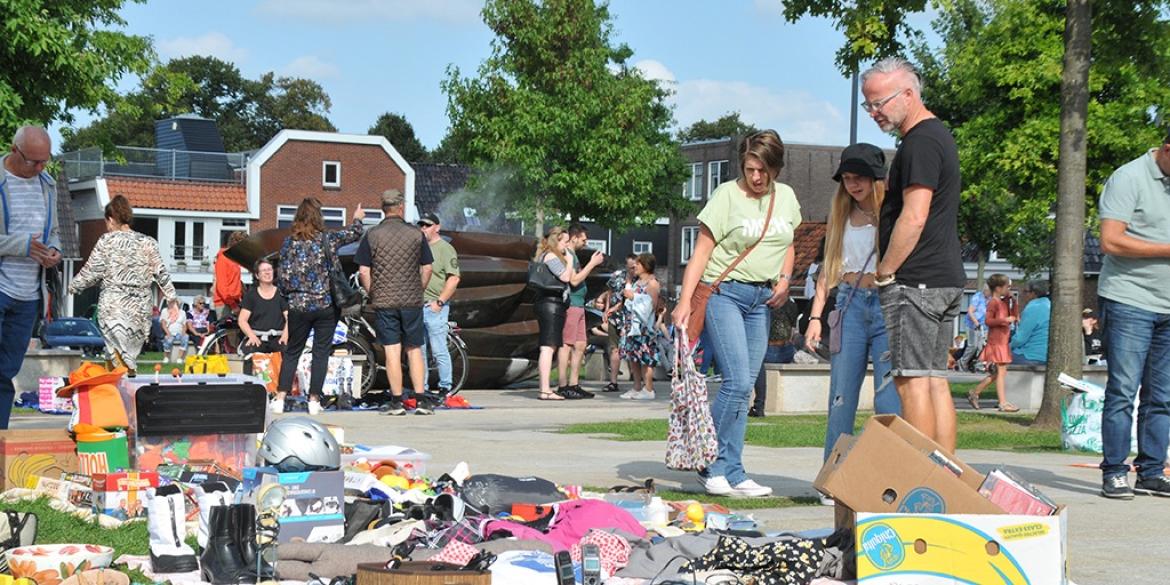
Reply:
x=243, y=527
x=220, y=563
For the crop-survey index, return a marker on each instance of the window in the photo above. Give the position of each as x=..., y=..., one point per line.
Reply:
x=331, y=174
x=334, y=216
x=373, y=217
x=643, y=247
x=229, y=227
x=599, y=245
x=693, y=187
x=718, y=172
x=690, y=235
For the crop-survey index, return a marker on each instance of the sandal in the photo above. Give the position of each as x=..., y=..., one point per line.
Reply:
x=611, y=387
x=973, y=399
x=550, y=395
x=1008, y=407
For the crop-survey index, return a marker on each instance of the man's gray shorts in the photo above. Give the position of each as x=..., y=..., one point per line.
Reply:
x=920, y=325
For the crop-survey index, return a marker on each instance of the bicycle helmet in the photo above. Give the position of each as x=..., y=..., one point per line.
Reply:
x=300, y=444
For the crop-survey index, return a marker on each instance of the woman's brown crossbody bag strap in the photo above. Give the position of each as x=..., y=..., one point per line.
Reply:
x=703, y=291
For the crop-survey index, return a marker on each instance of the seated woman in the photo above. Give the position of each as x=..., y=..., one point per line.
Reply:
x=174, y=325
x=263, y=315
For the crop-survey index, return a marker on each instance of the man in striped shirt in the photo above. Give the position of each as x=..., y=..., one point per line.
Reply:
x=28, y=244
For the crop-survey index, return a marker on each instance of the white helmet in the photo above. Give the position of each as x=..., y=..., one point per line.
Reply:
x=300, y=444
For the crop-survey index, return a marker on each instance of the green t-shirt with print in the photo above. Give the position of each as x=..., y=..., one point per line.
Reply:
x=577, y=293
x=736, y=221
x=446, y=264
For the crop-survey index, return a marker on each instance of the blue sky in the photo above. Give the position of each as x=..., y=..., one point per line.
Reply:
x=373, y=56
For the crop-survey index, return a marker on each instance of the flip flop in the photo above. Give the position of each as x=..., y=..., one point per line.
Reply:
x=551, y=396
x=973, y=399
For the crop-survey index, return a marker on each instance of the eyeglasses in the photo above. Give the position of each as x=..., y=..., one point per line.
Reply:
x=31, y=162
x=871, y=107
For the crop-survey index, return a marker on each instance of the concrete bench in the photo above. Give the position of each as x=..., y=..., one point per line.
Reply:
x=1025, y=384
x=804, y=388
x=40, y=363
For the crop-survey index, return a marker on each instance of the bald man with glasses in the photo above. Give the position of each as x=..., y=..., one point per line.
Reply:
x=28, y=245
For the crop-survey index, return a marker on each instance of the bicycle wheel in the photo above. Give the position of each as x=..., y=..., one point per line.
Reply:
x=360, y=347
x=459, y=364
x=222, y=342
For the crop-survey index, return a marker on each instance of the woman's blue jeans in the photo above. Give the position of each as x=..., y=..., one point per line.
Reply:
x=737, y=326
x=863, y=340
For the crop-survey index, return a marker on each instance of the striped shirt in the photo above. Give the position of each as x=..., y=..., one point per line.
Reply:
x=20, y=275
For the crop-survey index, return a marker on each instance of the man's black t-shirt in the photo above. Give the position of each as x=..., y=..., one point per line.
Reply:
x=928, y=157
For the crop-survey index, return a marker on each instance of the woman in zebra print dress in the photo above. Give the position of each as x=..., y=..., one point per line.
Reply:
x=126, y=263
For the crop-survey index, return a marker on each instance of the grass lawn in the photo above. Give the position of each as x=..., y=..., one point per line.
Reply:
x=976, y=431
x=55, y=527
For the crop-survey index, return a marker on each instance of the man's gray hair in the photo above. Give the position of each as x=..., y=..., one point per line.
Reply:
x=895, y=65
x=25, y=132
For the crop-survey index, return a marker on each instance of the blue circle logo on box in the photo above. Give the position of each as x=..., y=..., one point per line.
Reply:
x=882, y=547
x=922, y=501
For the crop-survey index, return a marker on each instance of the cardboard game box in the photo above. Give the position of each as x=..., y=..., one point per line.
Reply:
x=314, y=504
x=27, y=454
x=122, y=495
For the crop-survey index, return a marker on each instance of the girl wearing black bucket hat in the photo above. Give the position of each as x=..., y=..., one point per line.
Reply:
x=850, y=262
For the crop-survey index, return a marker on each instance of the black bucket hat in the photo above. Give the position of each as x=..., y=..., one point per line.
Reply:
x=863, y=159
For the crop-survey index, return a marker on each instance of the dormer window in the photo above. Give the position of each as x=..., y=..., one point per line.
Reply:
x=331, y=174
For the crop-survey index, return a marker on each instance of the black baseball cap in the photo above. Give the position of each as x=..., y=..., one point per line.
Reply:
x=429, y=218
x=863, y=159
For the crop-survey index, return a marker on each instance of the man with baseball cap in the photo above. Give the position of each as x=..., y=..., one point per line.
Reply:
x=394, y=267
x=436, y=312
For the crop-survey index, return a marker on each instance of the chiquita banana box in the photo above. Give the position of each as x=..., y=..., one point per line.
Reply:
x=31, y=453
x=948, y=549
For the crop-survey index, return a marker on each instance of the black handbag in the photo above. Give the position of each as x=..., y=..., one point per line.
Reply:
x=541, y=279
x=341, y=288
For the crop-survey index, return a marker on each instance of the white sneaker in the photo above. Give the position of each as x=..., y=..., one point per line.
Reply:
x=643, y=395
x=827, y=501
x=750, y=489
x=716, y=485
x=276, y=406
x=628, y=394
x=314, y=408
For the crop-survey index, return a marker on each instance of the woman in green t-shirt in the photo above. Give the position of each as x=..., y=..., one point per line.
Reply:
x=733, y=220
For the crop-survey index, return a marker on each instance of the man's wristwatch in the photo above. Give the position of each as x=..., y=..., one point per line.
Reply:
x=884, y=279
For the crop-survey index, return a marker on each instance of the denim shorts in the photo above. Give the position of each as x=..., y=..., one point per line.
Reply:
x=920, y=325
x=403, y=326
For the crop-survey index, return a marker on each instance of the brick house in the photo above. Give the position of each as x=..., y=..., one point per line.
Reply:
x=192, y=196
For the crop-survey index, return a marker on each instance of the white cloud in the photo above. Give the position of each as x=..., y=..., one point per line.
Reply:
x=651, y=69
x=310, y=67
x=330, y=11
x=213, y=44
x=797, y=115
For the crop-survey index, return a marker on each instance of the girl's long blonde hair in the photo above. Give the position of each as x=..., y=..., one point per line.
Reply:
x=839, y=211
x=549, y=243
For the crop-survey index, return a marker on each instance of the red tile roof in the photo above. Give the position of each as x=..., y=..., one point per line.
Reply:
x=180, y=195
x=807, y=243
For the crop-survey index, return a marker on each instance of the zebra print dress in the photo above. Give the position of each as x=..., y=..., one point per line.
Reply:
x=126, y=263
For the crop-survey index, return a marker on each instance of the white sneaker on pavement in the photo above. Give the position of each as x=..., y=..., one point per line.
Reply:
x=276, y=406
x=628, y=394
x=716, y=485
x=314, y=408
x=643, y=395
x=750, y=489
x=827, y=501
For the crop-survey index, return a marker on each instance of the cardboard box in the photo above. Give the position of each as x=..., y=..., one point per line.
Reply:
x=314, y=504
x=937, y=549
x=122, y=495
x=28, y=453
x=892, y=468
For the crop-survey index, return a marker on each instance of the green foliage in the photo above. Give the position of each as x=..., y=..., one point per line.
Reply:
x=400, y=133
x=248, y=112
x=725, y=127
x=559, y=111
x=449, y=150
x=995, y=80
x=872, y=28
x=57, y=56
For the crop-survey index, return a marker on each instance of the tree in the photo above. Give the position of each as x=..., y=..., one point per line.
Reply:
x=248, y=112
x=873, y=29
x=558, y=109
x=401, y=134
x=450, y=150
x=58, y=56
x=726, y=127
